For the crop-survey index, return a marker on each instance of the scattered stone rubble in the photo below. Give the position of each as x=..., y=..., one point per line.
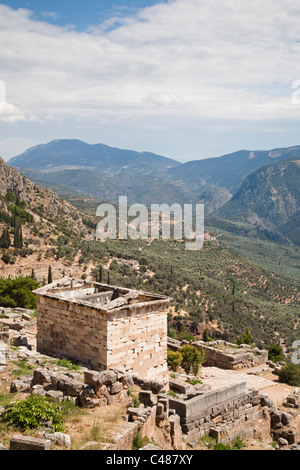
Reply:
x=195, y=410
x=88, y=389
x=293, y=399
x=18, y=326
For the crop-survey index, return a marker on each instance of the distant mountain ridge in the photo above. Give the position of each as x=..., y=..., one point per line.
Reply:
x=238, y=186
x=228, y=171
x=269, y=198
x=75, y=154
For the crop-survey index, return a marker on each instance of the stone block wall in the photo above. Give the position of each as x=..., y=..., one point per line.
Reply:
x=137, y=338
x=75, y=331
x=223, y=414
x=130, y=333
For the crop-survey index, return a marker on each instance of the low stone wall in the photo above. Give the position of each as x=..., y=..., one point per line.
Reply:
x=221, y=414
x=226, y=355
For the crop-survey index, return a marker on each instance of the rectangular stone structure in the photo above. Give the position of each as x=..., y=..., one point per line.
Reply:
x=211, y=402
x=104, y=326
x=28, y=443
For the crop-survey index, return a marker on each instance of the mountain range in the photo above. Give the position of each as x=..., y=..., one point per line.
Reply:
x=259, y=187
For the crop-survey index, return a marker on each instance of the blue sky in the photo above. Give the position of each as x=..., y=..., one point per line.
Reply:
x=81, y=14
x=188, y=79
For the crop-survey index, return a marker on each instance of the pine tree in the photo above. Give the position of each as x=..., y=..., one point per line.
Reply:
x=49, y=275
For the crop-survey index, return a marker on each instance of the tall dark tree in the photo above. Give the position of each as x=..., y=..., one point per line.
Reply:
x=5, y=238
x=100, y=274
x=18, y=236
x=49, y=275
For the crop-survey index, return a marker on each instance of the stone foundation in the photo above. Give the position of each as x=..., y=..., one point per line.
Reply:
x=223, y=414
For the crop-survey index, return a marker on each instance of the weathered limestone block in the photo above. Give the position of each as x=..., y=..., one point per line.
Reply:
x=67, y=385
x=97, y=379
x=55, y=395
x=116, y=388
x=29, y=443
x=19, y=386
x=59, y=439
x=40, y=377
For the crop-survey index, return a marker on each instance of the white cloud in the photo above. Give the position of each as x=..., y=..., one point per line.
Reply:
x=189, y=58
x=49, y=14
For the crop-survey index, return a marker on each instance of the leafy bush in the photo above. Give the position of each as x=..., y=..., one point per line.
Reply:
x=174, y=359
x=275, y=352
x=18, y=292
x=290, y=374
x=245, y=338
x=33, y=413
x=192, y=357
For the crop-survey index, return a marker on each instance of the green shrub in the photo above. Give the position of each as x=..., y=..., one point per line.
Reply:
x=195, y=382
x=33, y=413
x=174, y=359
x=275, y=352
x=245, y=338
x=290, y=374
x=192, y=357
x=69, y=364
x=139, y=441
x=18, y=292
x=236, y=444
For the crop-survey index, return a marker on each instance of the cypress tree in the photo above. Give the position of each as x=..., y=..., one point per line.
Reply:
x=100, y=274
x=49, y=275
x=20, y=234
x=13, y=218
x=16, y=234
x=5, y=238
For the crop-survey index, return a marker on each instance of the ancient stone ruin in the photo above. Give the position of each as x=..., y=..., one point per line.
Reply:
x=226, y=355
x=103, y=326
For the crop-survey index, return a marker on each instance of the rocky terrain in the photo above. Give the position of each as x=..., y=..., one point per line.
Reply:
x=108, y=410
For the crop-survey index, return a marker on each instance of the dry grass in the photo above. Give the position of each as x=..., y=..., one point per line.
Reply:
x=95, y=426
